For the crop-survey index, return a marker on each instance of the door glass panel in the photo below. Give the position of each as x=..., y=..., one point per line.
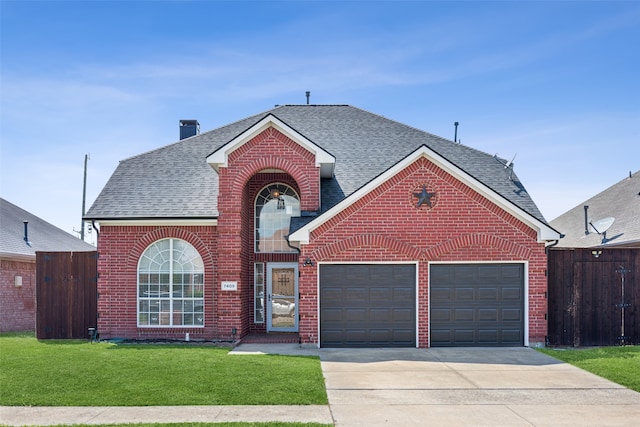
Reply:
x=258, y=298
x=283, y=298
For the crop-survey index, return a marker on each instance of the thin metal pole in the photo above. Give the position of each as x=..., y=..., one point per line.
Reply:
x=84, y=197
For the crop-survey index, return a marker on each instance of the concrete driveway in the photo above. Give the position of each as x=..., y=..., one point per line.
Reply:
x=469, y=387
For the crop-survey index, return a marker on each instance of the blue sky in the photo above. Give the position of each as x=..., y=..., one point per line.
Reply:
x=555, y=84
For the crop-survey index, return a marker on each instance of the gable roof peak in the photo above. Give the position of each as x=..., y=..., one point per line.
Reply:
x=324, y=160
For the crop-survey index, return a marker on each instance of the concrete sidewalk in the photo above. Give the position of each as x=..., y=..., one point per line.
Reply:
x=46, y=416
x=404, y=387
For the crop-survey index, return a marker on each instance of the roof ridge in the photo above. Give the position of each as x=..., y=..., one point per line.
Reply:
x=442, y=138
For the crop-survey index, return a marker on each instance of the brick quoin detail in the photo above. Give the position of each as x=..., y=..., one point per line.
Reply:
x=385, y=226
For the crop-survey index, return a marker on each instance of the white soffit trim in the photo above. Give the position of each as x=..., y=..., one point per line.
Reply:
x=158, y=222
x=324, y=160
x=545, y=232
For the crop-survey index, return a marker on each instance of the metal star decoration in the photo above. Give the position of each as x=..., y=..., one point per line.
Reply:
x=424, y=197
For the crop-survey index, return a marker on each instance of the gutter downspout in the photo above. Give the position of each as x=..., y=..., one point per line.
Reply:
x=555, y=242
x=292, y=247
x=93, y=224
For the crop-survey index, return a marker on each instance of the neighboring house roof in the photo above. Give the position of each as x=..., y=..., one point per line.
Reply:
x=620, y=202
x=176, y=181
x=42, y=236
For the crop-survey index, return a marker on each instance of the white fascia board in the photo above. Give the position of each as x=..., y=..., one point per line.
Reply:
x=12, y=256
x=158, y=222
x=324, y=160
x=545, y=232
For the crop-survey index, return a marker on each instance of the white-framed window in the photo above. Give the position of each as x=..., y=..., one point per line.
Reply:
x=170, y=285
x=274, y=207
x=258, y=292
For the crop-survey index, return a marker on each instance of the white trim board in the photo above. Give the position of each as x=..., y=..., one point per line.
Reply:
x=324, y=160
x=545, y=232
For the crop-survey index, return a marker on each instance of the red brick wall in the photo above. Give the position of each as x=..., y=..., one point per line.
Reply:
x=17, y=304
x=238, y=187
x=383, y=226
x=273, y=150
x=120, y=249
x=386, y=226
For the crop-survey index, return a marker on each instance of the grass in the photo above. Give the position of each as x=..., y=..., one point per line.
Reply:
x=618, y=364
x=78, y=373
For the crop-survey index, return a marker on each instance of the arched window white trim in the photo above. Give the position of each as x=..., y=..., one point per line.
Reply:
x=275, y=204
x=170, y=285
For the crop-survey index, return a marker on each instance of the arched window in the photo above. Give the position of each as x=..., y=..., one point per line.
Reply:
x=170, y=285
x=275, y=205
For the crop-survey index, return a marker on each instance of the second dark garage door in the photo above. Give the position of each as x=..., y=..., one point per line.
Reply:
x=477, y=304
x=368, y=305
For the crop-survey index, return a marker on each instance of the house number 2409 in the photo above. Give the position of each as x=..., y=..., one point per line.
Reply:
x=229, y=286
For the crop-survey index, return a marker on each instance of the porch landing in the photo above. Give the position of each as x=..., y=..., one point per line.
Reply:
x=270, y=338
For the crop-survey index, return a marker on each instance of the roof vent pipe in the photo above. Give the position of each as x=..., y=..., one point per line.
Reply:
x=308, y=94
x=189, y=128
x=586, y=220
x=455, y=134
x=26, y=233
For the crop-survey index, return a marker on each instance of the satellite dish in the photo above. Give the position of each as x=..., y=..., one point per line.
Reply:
x=601, y=225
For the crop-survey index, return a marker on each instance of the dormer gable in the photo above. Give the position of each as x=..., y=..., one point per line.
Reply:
x=323, y=159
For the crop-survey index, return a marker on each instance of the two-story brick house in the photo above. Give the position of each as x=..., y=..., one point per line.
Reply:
x=337, y=225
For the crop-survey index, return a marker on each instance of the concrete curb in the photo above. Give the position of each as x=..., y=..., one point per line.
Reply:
x=53, y=415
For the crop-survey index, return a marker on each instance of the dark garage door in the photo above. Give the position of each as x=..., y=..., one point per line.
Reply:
x=477, y=304
x=368, y=305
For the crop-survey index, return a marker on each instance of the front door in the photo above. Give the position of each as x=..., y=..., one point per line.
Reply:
x=282, y=297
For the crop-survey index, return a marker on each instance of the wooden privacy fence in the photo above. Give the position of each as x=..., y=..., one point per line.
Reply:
x=594, y=297
x=66, y=294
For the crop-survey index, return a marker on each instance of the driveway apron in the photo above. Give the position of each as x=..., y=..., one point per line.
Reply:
x=469, y=387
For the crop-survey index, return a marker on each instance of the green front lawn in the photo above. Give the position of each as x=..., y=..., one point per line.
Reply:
x=618, y=364
x=78, y=373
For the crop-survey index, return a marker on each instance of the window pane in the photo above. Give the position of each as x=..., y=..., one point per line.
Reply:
x=143, y=290
x=275, y=205
x=169, y=271
x=198, y=291
x=144, y=319
x=258, y=293
x=177, y=291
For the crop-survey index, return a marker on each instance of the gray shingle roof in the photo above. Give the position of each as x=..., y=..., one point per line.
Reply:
x=42, y=235
x=620, y=201
x=175, y=181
